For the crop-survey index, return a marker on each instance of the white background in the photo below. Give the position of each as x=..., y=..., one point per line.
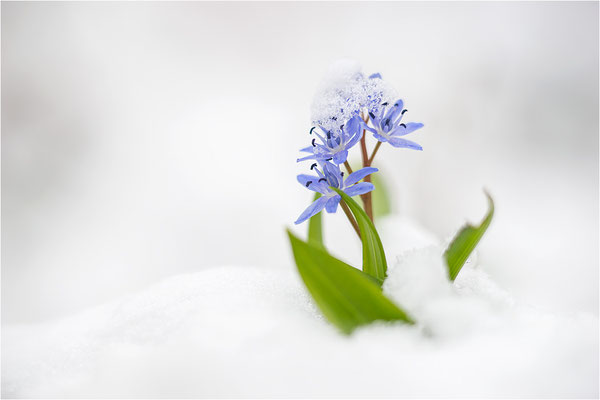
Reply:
x=143, y=140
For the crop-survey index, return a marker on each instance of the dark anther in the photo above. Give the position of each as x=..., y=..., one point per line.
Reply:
x=313, y=143
x=403, y=111
x=386, y=122
x=329, y=159
x=322, y=179
x=334, y=118
x=342, y=174
x=313, y=166
x=372, y=115
x=328, y=134
x=403, y=126
x=311, y=129
x=308, y=183
x=396, y=105
x=384, y=104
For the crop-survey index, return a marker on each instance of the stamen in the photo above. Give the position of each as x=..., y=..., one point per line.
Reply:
x=329, y=159
x=384, y=104
x=342, y=174
x=341, y=126
x=313, y=166
x=403, y=125
x=334, y=118
x=313, y=143
x=403, y=111
x=328, y=134
x=322, y=179
x=311, y=130
x=371, y=115
x=308, y=183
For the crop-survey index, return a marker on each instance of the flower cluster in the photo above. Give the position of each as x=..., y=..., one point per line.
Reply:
x=353, y=106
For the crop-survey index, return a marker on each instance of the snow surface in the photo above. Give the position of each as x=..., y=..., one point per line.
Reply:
x=251, y=331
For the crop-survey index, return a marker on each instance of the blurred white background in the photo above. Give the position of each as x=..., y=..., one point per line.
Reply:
x=143, y=140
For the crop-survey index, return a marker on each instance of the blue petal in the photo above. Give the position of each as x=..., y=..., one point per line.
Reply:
x=357, y=136
x=399, y=142
x=379, y=137
x=359, y=188
x=333, y=174
x=375, y=75
x=410, y=127
x=358, y=175
x=353, y=125
x=395, y=110
x=314, y=185
x=308, y=149
x=311, y=210
x=332, y=204
x=370, y=129
x=340, y=157
x=311, y=157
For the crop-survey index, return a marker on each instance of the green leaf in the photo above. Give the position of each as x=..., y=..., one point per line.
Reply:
x=347, y=297
x=380, y=197
x=374, y=262
x=315, y=228
x=465, y=241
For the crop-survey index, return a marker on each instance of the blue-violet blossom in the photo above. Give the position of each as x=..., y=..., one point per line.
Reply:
x=388, y=126
x=334, y=145
x=332, y=177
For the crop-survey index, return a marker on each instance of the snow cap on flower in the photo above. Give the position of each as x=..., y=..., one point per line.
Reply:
x=346, y=91
x=332, y=176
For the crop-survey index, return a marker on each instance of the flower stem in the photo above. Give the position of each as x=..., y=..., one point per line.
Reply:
x=374, y=152
x=366, y=198
x=350, y=218
x=347, y=165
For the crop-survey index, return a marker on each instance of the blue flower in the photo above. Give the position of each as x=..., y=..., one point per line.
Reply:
x=387, y=126
x=332, y=177
x=334, y=144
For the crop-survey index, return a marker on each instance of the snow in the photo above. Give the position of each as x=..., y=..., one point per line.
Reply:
x=254, y=332
x=345, y=90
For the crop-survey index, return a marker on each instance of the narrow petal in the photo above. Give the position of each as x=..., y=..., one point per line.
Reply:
x=311, y=157
x=353, y=125
x=314, y=184
x=340, y=157
x=399, y=142
x=370, y=129
x=410, y=127
x=311, y=210
x=332, y=204
x=333, y=174
x=359, y=188
x=357, y=136
x=358, y=175
x=379, y=137
x=308, y=149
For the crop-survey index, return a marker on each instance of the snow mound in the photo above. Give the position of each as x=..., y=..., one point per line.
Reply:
x=254, y=332
x=344, y=91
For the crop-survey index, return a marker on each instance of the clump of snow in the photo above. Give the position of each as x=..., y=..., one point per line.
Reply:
x=345, y=91
x=254, y=332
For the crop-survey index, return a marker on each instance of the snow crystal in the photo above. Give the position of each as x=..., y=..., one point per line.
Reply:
x=254, y=332
x=345, y=91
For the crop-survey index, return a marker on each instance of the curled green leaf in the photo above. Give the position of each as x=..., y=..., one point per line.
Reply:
x=347, y=297
x=374, y=262
x=465, y=241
